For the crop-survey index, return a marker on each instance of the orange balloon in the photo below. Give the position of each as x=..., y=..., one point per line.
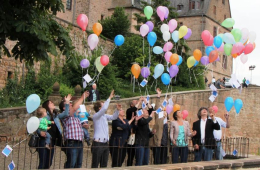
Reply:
x=254, y=45
x=197, y=54
x=136, y=70
x=234, y=55
x=174, y=59
x=246, y=42
x=213, y=55
x=97, y=28
x=176, y=107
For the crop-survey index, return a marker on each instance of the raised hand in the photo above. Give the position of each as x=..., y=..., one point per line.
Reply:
x=85, y=94
x=67, y=98
x=119, y=106
x=112, y=94
x=226, y=116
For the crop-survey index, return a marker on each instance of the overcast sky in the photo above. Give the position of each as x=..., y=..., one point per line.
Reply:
x=246, y=14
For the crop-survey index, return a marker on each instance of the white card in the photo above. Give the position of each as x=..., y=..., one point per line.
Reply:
x=212, y=98
x=164, y=103
x=139, y=113
x=212, y=87
x=148, y=98
x=247, y=82
x=7, y=150
x=159, y=110
x=11, y=166
x=87, y=78
x=82, y=108
x=236, y=84
x=143, y=83
x=143, y=105
x=170, y=101
x=160, y=115
x=223, y=153
x=84, y=84
x=165, y=120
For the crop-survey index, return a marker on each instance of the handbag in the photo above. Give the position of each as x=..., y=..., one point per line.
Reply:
x=34, y=140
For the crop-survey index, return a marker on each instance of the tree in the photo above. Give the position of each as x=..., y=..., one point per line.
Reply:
x=32, y=25
x=118, y=23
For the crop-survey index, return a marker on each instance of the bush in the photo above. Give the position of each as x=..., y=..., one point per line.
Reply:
x=65, y=90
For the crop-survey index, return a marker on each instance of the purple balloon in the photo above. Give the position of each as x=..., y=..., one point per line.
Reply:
x=150, y=25
x=187, y=36
x=84, y=63
x=204, y=60
x=166, y=12
x=169, y=109
x=173, y=70
x=145, y=72
x=217, y=59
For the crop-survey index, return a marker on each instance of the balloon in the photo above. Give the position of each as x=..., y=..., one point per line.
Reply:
x=221, y=48
x=228, y=23
x=167, y=56
x=234, y=55
x=180, y=61
x=215, y=108
x=218, y=41
x=82, y=21
x=150, y=25
x=228, y=49
x=221, y=35
x=209, y=49
x=238, y=48
x=252, y=36
x=166, y=35
x=144, y=29
x=158, y=70
x=174, y=59
x=248, y=48
x=169, y=108
x=98, y=64
x=97, y=28
x=187, y=36
x=164, y=28
x=254, y=45
x=210, y=41
x=183, y=30
x=84, y=63
x=172, y=25
x=245, y=34
x=119, y=40
x=152, y=37
x=218, y=59
x=229, y=102
x=92, y=41
x=213, y=56
x=197, y=54
x=204, y=60
x=145, y=72
x=185, y=114
x=175, y=36
x=243, y=58
x=166, y=79
x=160, y=12
x=237, y=34
x=135, y=69
x=104, y=60
x=167, y=46
x=148, y=12
x=228, y=38
x=196, y=63
x=238, y=105
x=205, y=36
x=173, y=70
x=32, y=124
x=166, y=10
x=32, y=103
x=176, y=107
x=157, y=50
x=191, y=61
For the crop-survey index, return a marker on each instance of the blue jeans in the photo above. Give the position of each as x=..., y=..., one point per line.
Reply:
x=48, y=138
x=203, y=152
x=86, y=134
x=142, y=155
x=74, y=153
x=45, y=155
x=179, y=152
x=218, y=151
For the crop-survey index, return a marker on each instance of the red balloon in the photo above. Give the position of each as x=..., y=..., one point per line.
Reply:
x=104, y=60
x=185, y=113
x=205, y=36
x=248, y=48
x=82, y=21
x=210, y=41
x=215, y=108
x=213, y=55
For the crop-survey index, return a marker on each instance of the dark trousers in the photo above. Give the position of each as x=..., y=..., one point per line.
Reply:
x=118, y=155
x=156, y=155
x=179, y=152
x=74, y=153
x=130, y=154
x=100, y=152
x=163, y=155
x=45, y=155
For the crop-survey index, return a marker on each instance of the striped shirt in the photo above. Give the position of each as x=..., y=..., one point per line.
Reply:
x=72, y=129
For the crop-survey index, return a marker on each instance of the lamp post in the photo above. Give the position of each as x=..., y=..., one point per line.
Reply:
x=251, y=68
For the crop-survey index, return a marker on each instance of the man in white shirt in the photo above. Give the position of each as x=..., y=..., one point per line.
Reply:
x=218, y=133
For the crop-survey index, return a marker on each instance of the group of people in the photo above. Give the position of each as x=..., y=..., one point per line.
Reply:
x=131, y=134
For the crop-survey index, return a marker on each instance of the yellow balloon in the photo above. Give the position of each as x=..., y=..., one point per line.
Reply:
x=98, y=64
x=183, y=30
x=191, y=61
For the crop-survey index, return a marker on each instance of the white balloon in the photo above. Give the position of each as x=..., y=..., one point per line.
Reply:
x=92, y=41
x=245, y=34
x=144, y=29
x=252, y=36
x=229, y=38
x=33, y=124
x=166, y=36
x=243, y=58
x=164, y=28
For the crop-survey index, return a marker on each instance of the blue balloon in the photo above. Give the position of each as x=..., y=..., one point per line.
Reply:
x=229, y=102
x=166, y=79
x=218, y=41
x=32, y=103
x=152, y=37
x=238, y=105
x=119, y=40
x=209, y=49
x=157, y=50
x=175, y=36
x=158, y=70
x=196, y=63
x=180, y=61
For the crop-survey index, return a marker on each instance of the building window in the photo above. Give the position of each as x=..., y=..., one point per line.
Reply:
x=181, y=23
x=10, y=75
x=198, y=5
x=215, y=31
x=102, y=17
x=69, y=4
x=225, y=17
x=191, y=5
x=215, y=10
x=223, y=2
x=179, y=7
x=224, y=62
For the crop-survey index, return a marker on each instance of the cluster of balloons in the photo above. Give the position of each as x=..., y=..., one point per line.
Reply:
x=32, y=103
x=229, y=103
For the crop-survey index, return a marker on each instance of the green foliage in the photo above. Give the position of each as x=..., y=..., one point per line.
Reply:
x=65, y=90
x=118, y=23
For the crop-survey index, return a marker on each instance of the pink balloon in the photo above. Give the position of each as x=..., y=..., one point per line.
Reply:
x=185, y=113
x=172, y=25
x=205, y=36
x=161, y=12
x=221, y=48
x=169, y=109
x=167, y=46
x=215, y=108
x=144, y=29
x=82, y=21
x=167, y=56
x=248, y=48
x=243, y=58
x=166, y=12
x=210, y=41
x=237, y=48
x=104, y=60
x=92, y=41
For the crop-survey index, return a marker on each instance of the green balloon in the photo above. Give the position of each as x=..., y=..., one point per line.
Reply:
x=148, y=12
x=237, y=34
x=228, y=23
x=228, y=49
x=221, y=36
x=98, y=64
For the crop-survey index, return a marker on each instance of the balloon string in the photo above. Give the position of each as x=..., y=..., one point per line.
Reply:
x=195, y=78
x=112, y=52
x=155, y=84
x=139, y=87
x=212, y=70
x=181, y=50
x=175, y=47
x=143, y=51
x=171, y=87
x=190, y=76
x=167, y=90
x=20, y=142
x=149, y=55
x=134, y=85
x=152, y=85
